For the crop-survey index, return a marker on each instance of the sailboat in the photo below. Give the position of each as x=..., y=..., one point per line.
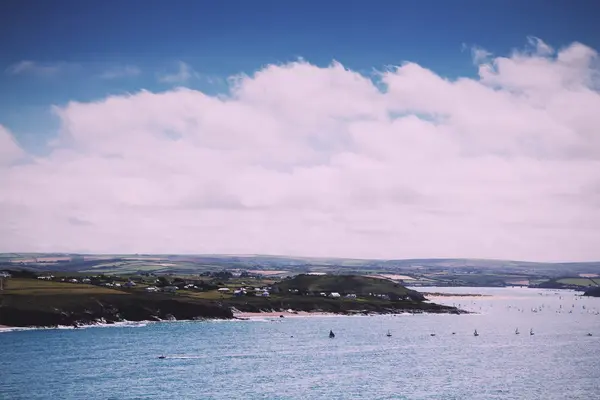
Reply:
x=517, y=331
x=475, y=333
x=389, y=334
x=331, y=334
x=531, y=332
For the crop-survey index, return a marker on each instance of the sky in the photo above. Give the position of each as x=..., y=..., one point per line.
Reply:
x=390, y=129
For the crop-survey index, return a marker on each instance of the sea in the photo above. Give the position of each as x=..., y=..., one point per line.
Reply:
x=428, y=356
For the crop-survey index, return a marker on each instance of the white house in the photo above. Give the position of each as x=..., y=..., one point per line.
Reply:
x=151, y=289
x=334, y=295
x=170, y=289
x=223, y=290
x=265, y=294
x=351, y=296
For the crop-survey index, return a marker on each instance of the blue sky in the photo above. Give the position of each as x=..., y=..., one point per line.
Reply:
x=308, y=158
x=75, y=45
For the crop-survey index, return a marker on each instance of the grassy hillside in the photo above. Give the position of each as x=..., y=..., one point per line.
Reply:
x=346, y=284
x=585, y=282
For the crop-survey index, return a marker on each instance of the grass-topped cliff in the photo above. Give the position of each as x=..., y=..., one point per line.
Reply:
x=29, y=301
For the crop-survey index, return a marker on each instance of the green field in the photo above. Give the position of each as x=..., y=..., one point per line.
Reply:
x=20, y=286
x=211, y=295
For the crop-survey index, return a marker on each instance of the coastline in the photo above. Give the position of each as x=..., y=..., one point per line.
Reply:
x=237, y=316
x=446, y=294
x=25, y=306
x=240, y=315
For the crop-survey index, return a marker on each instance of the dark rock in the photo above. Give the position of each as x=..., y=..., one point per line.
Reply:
x=593, y=292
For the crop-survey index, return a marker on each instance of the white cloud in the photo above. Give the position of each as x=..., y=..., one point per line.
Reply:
x=125, y=71
x=541, y=48
x=9, y=149
x=480, y=55
x=299, y=159
x=183, y=74
x=35, y=68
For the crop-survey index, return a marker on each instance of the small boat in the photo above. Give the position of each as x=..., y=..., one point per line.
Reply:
x=162, y=357
x=589, y=334
x=517, y=331
x=331, y=334
x=531, y=332
x=432, y=334
x=475, y=333
x=389, y=334
x=454, y=333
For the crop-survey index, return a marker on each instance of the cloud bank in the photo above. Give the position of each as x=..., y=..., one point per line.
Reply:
x=125, y=71
x=299, y=159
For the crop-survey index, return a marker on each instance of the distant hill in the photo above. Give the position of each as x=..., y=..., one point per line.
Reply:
x=459, y=270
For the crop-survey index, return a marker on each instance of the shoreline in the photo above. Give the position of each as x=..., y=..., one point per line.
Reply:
x=446, y=294
x=237, y=316
x=279, y=314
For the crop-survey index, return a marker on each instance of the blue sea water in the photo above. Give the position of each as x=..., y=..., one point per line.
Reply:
x=293, y=358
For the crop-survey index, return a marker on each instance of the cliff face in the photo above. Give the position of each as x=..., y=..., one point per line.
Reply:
x=79, y=310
